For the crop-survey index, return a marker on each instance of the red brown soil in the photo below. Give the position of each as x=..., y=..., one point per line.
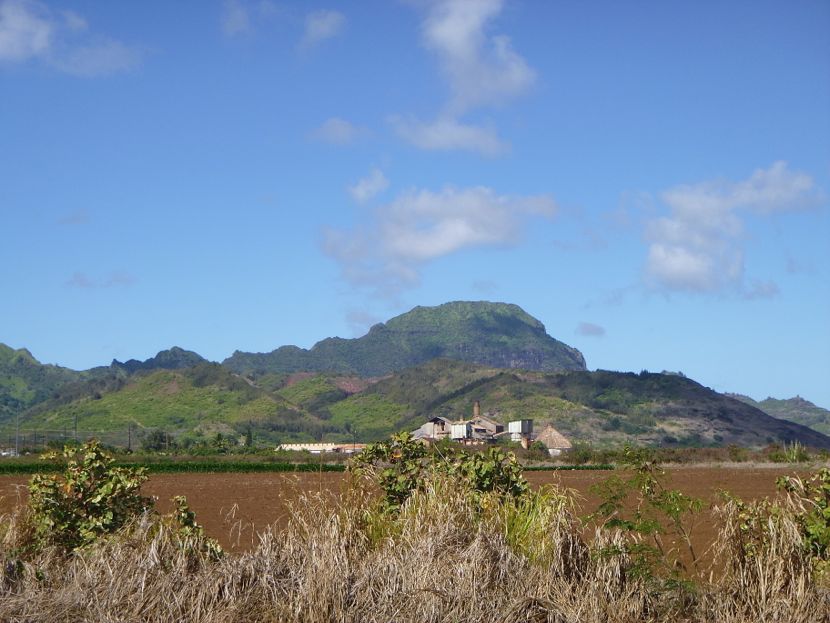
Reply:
x=296, y=377
x=352, y=384
x=232, y=507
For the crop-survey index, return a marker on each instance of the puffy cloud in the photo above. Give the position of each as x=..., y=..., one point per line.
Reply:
x=448, y=134
x=29, y=30
x=697, y=246
x=481, y=70
x=26, y=30
x=590, y=329
x=422, y=225
x=337, y=131
x=369, y=186
x=321, y=25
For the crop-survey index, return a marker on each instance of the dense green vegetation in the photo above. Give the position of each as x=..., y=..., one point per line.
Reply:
x=796, y=410
x=24, y=381
x=491, y=334
x=196, y=403
x=603, y=408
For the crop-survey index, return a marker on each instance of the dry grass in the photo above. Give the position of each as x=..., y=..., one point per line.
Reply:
x=446, y=557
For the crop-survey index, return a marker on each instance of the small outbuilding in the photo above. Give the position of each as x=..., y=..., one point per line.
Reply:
x=554, y=441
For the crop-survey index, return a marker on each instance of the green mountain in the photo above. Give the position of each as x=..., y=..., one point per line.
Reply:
x=191, y=402
x=602, y=407
x=498, y=335
x=24, y=381
x=795, y=409
x=173, y=359
x=429, y=361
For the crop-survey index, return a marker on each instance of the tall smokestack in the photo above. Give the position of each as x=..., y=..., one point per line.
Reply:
x=476, y=409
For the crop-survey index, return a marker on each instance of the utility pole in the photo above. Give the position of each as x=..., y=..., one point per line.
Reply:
x=130, y=437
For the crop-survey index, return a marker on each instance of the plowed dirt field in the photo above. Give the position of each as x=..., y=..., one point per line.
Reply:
x=233, y=507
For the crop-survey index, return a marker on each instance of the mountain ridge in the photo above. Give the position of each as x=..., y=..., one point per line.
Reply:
x=495, y=334
x=427, y=361
x=795, y=409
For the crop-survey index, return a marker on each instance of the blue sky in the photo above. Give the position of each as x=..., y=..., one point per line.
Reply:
x=649, y=179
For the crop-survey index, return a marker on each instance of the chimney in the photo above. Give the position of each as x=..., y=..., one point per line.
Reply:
x=476, y=409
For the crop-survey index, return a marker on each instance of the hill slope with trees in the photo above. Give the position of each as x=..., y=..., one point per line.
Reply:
x=492, y=334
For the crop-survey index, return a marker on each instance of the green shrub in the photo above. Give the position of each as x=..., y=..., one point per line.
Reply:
x=402, y=465
x=90, y=498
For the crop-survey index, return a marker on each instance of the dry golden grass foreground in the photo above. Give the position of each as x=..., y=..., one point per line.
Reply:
x=446, y=556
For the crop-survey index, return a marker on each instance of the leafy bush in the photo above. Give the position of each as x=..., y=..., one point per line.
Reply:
x=402, y=465
x=90, y=498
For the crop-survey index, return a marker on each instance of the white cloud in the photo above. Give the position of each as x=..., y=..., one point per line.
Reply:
x=337, y=131
x=422, y=225
x=369, y=186
x=235, y=19
x=100, y=58
x=448, y=134
x=481, y=70
x=26, y=30
x=240, y=17
x=697, y=247
x=321, y=25
x=29, y=30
